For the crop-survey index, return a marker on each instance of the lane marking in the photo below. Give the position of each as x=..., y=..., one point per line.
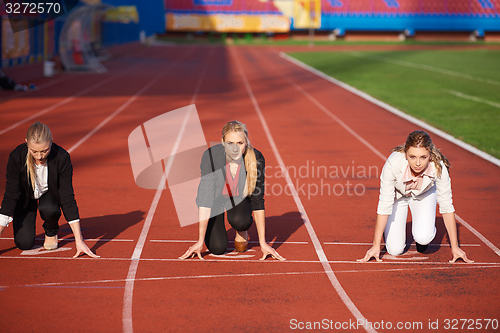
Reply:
x=411, y=244
x=472, y=98
x=478, y=235
x=194, y=241
x=312, y=234
x=85, y=239
x=129, y=286
x=231, y=255
x=426, y=67
x=67, y=100
x=337, y=119
x=254, y=261
x=189, y=277
x=403, y=115
x=38, y=249
x=393, y=110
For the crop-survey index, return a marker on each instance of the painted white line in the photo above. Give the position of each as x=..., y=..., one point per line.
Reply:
x=426, y=67
x=38, y=249
x=129, y=286
x=194, y=241
x=312, y=234
x=236, y=255
x=364, y=244
x=405, y=116
x=264, y=262
x=395, y=111
x=120, y=109
x=340, y=122
x=473, y=98
x=190, y=277
x=85, y=239
x=478, y=234
x=66, y=100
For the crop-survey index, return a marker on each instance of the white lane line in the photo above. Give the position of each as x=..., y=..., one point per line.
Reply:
x=403, y=115
x=129, y=286
x=312, y=234
x=194, y=241
x=395, y=111
x=120, y=109
x=190, y=277
x=85, y=239
x=426, y=67
x=337, y=119
x=67, y=100
x=478, y=235
x=127, y=320
x=472, y=98
x=257, y=261
x=38, y=249
x=431, y=245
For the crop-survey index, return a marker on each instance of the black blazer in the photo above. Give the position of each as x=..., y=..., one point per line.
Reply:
x=18, y=190
x=213, y=179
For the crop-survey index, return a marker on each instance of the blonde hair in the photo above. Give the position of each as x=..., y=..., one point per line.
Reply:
x=249, y=156
x=37, y=133
x=419, y=139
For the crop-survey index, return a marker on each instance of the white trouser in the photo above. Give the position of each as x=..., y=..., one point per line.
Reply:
x=423, y=212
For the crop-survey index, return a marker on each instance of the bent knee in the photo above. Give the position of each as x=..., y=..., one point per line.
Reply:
x=217, y=250
x=395, y=249
x=423, y=239
x=24, y=244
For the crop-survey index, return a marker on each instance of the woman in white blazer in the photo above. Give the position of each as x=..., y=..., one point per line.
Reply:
x=415, y=175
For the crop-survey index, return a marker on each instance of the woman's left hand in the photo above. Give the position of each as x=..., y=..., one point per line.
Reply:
x=459, y=253
x=267, y=250
x=81, y=247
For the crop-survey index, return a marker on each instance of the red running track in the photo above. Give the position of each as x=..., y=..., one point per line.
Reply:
x=298, y=121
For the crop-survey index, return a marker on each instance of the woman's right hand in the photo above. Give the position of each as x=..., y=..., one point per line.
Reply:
x=374, y=251
x=193, y=250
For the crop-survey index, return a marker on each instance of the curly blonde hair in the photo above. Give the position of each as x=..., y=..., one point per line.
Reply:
x=422, y=139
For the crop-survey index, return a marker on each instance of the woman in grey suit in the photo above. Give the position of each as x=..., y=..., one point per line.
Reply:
x=232, y=181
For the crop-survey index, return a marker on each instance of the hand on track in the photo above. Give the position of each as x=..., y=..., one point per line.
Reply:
x=81, y=247
x=459, y=253
x=193, y=251
x=374, y=251
x=267, y=250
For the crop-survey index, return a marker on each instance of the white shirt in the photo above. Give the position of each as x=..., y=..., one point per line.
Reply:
x=41, y=180
x=41, y=187
x=393, y=187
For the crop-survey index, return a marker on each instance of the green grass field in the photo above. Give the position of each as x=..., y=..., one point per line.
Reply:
x=455, y=91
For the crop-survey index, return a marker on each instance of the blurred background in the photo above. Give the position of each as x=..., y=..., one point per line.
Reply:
x=81, y=38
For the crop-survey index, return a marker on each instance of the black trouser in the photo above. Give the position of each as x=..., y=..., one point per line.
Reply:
x=240, y=218
x=24, y=220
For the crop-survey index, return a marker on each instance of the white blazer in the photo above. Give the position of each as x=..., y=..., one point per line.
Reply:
x=393, y=188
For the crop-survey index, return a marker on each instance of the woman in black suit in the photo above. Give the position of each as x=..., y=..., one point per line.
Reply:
x=40, y=176
x=232, y=181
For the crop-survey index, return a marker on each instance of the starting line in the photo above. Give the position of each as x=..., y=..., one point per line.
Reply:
x=189, y=277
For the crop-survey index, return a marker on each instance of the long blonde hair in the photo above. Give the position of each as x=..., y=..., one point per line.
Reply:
x=249, y=155
x=37, y=133
x=419, y=139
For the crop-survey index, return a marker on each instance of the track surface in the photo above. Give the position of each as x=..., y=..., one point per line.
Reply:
x=297, y=120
